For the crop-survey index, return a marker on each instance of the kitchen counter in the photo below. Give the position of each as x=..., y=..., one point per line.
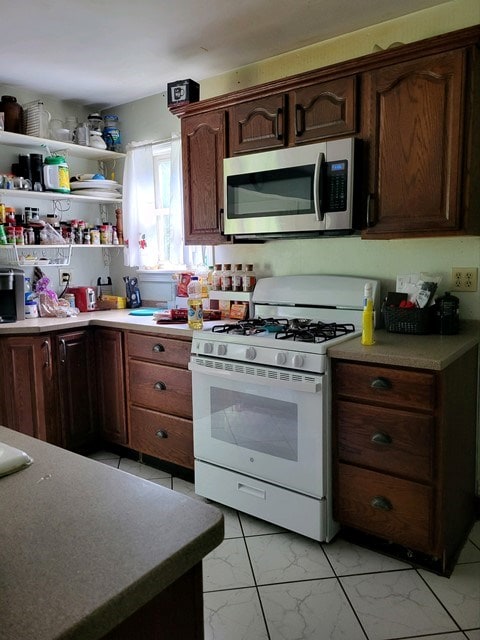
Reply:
x=84, y=546
x=434, y=351
x=114, y=318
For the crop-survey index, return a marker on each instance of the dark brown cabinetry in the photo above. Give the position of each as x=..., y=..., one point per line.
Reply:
x=306, y=114
x=160, y=397
x=414, y=106
x=28, y=389
x=77, y=388
x=203, y=151
x=404, y=454
x=111, y=388
x=416, y=130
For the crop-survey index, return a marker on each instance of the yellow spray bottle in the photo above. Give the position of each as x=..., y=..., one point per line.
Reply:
x=367, y=316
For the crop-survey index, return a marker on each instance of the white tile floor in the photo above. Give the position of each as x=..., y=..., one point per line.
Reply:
x=265, y=583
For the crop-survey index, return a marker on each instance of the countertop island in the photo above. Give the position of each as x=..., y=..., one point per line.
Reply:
x=89, y=552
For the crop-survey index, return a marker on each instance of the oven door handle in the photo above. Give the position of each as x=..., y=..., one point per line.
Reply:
x=285, y=379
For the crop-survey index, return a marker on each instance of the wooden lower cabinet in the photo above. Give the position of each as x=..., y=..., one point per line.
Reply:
x=28, y=391
x=111, y=386
x=404, y=455
x=77, y=388
x=159, y=388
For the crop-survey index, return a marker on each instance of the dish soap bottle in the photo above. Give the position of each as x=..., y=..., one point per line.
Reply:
x=367, y=317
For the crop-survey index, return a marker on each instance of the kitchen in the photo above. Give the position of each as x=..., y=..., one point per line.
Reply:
x=365, y=258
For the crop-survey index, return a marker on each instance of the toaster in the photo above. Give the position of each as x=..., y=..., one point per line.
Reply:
x=85, y=298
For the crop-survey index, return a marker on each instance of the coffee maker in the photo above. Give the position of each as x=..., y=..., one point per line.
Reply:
x=12, y=295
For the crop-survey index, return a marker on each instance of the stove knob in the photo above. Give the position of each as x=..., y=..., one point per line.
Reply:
x=297, y=361
x=208, y=347
x=250, y=353
x=280, y=358
x=222, y=349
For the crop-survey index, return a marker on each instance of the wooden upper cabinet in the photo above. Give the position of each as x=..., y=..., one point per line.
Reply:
x=416, y=128
x=203, y=151
x=258, y=125
x=323, y=110
x=303, y=115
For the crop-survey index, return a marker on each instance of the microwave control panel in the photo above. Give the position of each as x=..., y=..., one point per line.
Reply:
x=335, y=186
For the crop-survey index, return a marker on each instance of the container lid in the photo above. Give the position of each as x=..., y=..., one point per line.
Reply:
x=54, y=160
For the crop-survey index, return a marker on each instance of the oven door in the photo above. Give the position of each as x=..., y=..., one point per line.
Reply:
x=263, y=422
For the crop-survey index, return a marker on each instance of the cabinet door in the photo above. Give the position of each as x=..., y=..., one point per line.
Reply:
x=76, y=384
x=111, y=392
x=416, y=146
x=203, y=151
x=323, y=110
x=258, y=125
x=29, y=400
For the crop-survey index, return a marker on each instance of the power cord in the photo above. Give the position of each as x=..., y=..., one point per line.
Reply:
x=66, y=286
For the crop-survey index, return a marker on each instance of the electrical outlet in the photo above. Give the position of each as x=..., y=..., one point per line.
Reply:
x=464, y=278
x=65, y=277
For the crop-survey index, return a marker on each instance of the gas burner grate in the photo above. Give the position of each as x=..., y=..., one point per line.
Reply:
x=252, y=326
x=314, y=331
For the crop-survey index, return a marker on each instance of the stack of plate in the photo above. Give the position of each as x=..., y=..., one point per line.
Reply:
x=97, y=188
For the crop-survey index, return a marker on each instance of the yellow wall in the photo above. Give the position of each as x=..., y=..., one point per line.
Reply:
x=443, y=18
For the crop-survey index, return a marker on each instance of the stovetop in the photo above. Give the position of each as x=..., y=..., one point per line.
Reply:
x=297, y=318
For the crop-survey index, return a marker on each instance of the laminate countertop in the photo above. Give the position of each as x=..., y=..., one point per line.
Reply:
x=84, y=545
x=432, y=351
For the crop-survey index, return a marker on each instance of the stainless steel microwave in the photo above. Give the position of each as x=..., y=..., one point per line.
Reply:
x=294, y=191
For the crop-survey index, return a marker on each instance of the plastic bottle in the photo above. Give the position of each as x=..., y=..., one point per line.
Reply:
x=194, y=303
x=367, y=316
x=55, y=174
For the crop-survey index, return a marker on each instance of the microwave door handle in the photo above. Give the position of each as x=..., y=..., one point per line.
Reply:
x=318, y=186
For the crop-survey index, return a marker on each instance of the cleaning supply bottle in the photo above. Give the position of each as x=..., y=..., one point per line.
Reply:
x=195, y=304
x=367, y=317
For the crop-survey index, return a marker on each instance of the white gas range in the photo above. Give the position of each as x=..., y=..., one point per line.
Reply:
x=261, y=400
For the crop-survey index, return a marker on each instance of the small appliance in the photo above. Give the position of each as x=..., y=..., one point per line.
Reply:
x=298, y=191
x=85, y=298
x=12, y=295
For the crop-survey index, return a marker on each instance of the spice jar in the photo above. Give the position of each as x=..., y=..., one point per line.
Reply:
x=237, y=278
x=249, y=279
x=227, y=277
x=217, y=278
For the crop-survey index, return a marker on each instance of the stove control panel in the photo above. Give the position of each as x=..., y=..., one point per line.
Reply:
x=264, y=353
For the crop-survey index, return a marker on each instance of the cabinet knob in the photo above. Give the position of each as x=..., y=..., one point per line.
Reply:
x=381, y=503
x=161, y=434
x=160, y=386
x=380, y=383
x=381, y=438
x=158, y=348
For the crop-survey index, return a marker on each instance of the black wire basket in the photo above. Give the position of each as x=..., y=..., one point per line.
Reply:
x=405, y=320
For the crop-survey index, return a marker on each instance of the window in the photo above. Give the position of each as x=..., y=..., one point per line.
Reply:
x=153, y=208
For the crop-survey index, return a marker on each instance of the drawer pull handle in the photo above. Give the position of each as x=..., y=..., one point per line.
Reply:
x=160, y=386
x=161, y=434
x=381, y=438
x=158, y=348
x=381, y=503
x=380, y=383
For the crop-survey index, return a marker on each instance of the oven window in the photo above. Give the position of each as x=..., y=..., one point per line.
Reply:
x=255, y=422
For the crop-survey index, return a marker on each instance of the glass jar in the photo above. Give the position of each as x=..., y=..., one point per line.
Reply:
x=217, y=278
x=227, y=277
x=249, y=279
x=13, y=114
x=237, y=278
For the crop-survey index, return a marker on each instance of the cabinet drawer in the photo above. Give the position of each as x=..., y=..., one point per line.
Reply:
x=389, y=440
x=166, y=437
x=159, y=349
x=384, y=506
x=160, y=388
x=399, y=387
